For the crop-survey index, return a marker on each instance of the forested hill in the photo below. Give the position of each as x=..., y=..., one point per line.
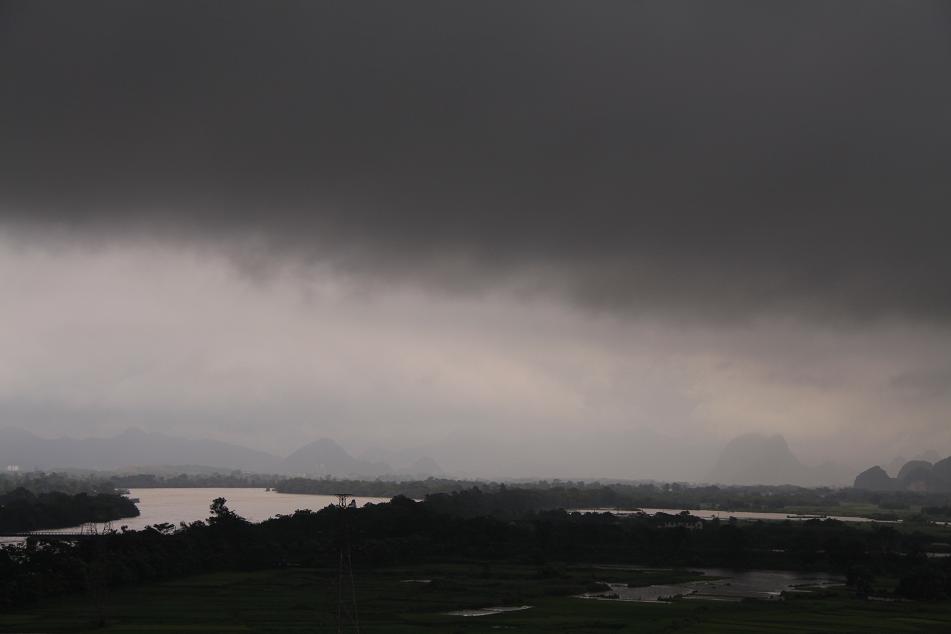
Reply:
x=23, y=510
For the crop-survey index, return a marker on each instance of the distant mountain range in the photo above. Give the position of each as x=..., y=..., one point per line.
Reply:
x=753, y=459
x=134, y=449
x=324, y=456
x=894, y=467
x=914, y=475
x=750, y=459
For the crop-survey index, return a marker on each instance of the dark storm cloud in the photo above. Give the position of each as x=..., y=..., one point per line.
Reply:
x=719, y=158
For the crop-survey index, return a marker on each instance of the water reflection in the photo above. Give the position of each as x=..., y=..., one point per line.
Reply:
x=172, y=506
x=709, y=514
x=489, y=611
x=723, y=585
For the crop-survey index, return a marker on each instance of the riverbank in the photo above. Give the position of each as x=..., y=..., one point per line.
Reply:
x=153, y=506
x=22, y=510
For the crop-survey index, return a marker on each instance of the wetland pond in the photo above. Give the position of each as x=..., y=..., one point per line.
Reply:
x=710, y=514
x=721, y=585
x=489, y=611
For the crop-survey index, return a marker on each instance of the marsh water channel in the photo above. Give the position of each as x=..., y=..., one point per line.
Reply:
x=709, y=514
x=719, y=585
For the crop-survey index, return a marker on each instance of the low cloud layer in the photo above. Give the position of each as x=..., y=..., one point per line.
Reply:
x=695, y=159
x=492, y=384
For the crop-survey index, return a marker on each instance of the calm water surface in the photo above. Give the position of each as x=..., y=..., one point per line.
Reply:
x=189, y=505
x=723, y=585
x=709, y=514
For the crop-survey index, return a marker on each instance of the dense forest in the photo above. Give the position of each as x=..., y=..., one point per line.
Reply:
x=557, y=494
x=380, y=488
x=36, y=500
x=42, y=482
x=22, y=510
x=236, y=479
x=443, y=528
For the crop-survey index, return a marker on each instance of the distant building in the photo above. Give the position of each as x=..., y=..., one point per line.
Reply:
x=698, y=524
x=683, y=519
x=13, y=468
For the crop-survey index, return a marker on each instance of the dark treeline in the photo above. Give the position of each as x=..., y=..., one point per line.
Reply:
x=942, y=513
x=408, y=532
x=236, y=479
x=42, y=482
x=545, y=494
x=415, y=489
x=542, y=495
x=22, y=510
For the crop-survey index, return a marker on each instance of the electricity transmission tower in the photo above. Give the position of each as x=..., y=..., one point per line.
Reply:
x=98, y=575
x=347, y=620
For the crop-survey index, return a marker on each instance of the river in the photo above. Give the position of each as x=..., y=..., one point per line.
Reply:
x=189, y=505
x=176, y=505
x=173, y=506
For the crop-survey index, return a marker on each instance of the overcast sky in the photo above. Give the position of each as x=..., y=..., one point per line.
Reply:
x=507, y=226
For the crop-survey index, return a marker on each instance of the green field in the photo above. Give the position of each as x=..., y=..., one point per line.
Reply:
x=303, y=600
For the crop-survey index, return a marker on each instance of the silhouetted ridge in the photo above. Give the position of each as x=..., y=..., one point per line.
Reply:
x=326, y=457
x=132, y=447
x=914, y=475
x=875, y=479
x=140, y=450
x=753, y=459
